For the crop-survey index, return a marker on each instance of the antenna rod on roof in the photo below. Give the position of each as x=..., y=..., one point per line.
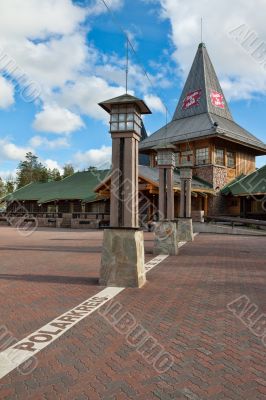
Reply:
x=127, y=66
x=201, y=30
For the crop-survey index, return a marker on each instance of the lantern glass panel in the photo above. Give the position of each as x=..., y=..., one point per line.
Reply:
x=114, y=126
x=122, y=117
x=166, y=158
x=130, y=126
x=122, y=126
x=130, y=117
x=114, y=117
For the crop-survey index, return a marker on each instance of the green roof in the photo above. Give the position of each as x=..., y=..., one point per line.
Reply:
x=226, y=189
x=252, y=184
x=79, y=186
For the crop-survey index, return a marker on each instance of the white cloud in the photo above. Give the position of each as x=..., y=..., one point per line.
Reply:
x=57, y=120
x=44, y=143
x=94, y=157
x=43, y=38
x=154, y=103
x=8, y=174
x=36, y=18
x=6, y=93
x=46, y=41
x=10, y=151
x=86, y=93
x=52, y=164
x=240, y=74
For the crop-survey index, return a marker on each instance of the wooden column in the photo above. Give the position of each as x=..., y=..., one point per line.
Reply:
x=161, y=194
x=115, y=179
x=188, y=198
x=124, y=181
x=182, y=199
x=185, y=195
x=130, y=185
x=205, y=205
x=170, y=193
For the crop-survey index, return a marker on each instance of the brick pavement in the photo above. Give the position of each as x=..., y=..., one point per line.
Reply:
x=183, y=306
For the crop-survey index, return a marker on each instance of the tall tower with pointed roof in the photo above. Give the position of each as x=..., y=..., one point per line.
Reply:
x=202, y=122
x=200, y=93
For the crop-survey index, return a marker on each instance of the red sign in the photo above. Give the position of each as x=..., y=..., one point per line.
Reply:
x=191, y=99
x=217, y=99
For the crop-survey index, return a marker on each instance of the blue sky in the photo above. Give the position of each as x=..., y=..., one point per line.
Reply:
x=72, y=56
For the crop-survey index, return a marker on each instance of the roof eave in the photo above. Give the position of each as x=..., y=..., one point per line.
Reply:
x=262, y=150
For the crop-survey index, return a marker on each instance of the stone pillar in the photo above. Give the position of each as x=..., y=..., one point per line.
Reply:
x=165, y=241
x=122, y=261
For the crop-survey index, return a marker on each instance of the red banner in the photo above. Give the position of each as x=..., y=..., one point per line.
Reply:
x=191, y=99
x=217, y=99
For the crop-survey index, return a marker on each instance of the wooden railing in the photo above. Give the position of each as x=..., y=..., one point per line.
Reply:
x=235, y=220
x=91, y=215
x=11, y=214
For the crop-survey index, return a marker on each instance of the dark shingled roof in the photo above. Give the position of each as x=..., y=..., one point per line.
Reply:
x=125, y=99
x=204, y=119
x=252, y=184
x=152, y=175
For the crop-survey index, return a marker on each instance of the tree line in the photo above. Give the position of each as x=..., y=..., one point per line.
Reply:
x=31, y=170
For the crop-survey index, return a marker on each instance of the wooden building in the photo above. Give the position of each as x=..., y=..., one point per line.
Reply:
x=203, y=124
x=225, y=180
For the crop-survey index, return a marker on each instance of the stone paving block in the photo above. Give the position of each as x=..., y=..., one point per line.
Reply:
x=183, y=306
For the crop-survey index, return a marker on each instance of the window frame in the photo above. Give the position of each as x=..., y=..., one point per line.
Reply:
x=218, y=158
x=200, y=158
x=233, y=153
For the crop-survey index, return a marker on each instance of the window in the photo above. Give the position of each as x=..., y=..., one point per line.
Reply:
x=231, y=159
x=202, y=156
x=219, y=156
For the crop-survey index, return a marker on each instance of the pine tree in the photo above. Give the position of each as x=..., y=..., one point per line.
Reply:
x=2, y=188
x=68, y=170
x=10, y=186
x=54, y=175
x=31, y=170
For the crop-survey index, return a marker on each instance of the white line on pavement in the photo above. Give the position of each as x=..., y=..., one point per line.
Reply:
x=25, y=349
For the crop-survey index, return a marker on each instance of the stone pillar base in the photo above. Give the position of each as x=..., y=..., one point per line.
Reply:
x=122, y=263
x=185, y=230
x=165, y=241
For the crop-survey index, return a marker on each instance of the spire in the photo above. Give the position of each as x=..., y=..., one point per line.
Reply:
x=202, y=92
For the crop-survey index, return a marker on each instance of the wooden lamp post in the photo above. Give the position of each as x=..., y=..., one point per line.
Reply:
x=123, y=245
